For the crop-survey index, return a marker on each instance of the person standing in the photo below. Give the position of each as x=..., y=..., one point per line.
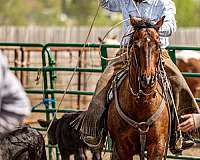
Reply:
x=14, y=103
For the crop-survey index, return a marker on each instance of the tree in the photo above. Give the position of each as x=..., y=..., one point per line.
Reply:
x=79, y=12
x=23, y=12
x=187, y=13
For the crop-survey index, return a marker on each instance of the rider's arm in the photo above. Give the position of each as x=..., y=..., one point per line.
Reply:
x=14, y=104
x=191, y=122
x=111, y=5
x=169, y=25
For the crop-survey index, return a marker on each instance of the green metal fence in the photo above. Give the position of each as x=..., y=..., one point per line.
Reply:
x=49, y=68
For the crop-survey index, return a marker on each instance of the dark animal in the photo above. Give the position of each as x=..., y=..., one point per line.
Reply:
x=138, y=98
x=67, y=138
x=25, y=143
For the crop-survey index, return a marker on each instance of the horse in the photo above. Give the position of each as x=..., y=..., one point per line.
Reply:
x=138, y=116
x=24, y=143
x=189, y=61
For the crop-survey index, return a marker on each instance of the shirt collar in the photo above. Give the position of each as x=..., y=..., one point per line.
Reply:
x=147, y=1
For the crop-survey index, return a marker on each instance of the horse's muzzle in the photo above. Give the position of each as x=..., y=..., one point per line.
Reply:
x=148, y=81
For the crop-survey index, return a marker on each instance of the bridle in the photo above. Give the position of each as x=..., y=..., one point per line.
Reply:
x=144, y=126
x=134, y=62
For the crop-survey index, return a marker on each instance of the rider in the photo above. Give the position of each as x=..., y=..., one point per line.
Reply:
x=14, y=104
x=91, y=122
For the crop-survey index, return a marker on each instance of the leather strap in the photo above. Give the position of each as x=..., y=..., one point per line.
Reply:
x=138, y=125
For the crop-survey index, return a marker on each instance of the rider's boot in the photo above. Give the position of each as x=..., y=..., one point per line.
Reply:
x=177, y=145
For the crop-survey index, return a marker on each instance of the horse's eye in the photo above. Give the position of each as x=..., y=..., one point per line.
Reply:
x=136, y=46
x=154, y=46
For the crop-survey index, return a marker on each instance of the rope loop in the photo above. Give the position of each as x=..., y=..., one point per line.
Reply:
x=45, y=101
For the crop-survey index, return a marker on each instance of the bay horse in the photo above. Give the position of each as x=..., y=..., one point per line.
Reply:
x=138, y=117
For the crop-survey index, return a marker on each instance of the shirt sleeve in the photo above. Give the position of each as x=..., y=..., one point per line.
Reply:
x=14, y=103
x=196, y=118
x=169, y=25
x=111, y=5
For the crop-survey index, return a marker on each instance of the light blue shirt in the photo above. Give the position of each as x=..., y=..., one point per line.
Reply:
x=150, y=9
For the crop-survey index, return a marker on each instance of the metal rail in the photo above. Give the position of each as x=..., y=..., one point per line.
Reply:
x=49, y=69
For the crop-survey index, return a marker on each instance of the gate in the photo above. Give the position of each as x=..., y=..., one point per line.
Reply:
x=48, y=69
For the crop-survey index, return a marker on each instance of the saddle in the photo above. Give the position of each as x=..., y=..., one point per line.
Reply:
x=120, y=76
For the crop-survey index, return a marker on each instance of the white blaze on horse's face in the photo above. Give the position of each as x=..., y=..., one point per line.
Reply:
x=148, y=57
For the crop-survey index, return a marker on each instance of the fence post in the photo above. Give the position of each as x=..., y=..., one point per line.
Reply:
x=104, y=54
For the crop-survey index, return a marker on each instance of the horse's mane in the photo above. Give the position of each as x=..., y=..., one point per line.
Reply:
x=143, y=23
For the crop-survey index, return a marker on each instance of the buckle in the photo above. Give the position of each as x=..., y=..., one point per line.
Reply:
x=143, y=127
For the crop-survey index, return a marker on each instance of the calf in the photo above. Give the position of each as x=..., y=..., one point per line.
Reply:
x=24, y=143
x=67, y=138
x=189, y=61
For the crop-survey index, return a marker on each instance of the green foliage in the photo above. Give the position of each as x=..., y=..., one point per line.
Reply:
x=188, y=13
x=79, y=12
x=24, y=12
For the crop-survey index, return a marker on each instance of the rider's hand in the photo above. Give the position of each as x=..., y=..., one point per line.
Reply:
x=188, y=124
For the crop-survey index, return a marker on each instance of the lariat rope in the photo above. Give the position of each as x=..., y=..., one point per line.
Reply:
x=112, y=27
x=91, y=26
x=86, y=40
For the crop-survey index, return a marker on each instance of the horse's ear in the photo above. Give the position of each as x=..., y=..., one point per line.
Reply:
x=159, y=23
x=133, y=20
x=100, y=39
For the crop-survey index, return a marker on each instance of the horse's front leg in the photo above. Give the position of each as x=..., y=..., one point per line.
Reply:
x=80, y=154
x=114, y=155
x=156, y=151
x=120, y=153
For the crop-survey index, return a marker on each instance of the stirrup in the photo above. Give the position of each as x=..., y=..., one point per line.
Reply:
x=182, y=144
x=95, y=143
x=177, y=147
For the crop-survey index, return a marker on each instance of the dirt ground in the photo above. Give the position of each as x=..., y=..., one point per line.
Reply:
x=195, y=151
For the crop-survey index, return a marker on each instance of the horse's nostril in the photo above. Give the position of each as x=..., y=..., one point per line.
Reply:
x=148, y=80
x=153, y=78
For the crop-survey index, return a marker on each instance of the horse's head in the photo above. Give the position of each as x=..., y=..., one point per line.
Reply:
x=145, y=50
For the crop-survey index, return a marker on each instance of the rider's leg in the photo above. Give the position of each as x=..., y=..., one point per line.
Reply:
x=184, y=100
x=90, y=123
